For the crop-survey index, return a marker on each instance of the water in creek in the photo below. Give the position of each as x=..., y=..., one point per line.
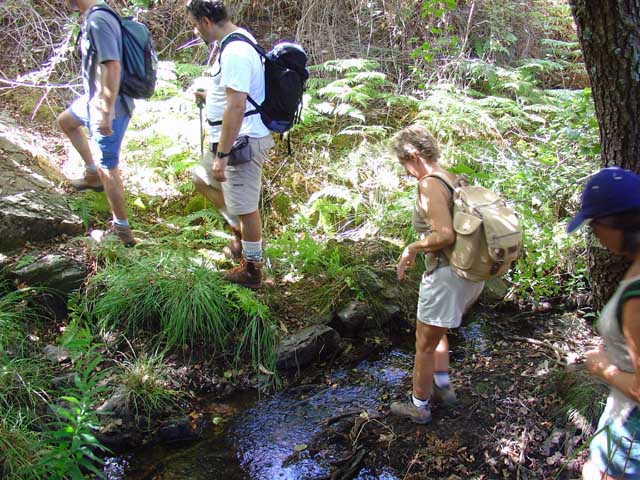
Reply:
x=262, y=433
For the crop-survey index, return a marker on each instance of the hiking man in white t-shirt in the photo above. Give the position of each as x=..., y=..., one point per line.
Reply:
x=232, y=181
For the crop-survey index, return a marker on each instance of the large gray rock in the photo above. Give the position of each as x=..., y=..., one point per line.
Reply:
x=24, y=163
x=306, y=346
x=35, y=216
x=55, y=272
x=356, y=318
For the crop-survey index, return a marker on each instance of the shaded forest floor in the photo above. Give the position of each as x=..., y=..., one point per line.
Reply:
x=523, y=413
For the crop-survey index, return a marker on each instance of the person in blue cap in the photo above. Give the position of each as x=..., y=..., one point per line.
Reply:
x=611, y=208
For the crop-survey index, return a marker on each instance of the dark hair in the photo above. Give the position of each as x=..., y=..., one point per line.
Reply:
x=214, y=10
x=629, y=222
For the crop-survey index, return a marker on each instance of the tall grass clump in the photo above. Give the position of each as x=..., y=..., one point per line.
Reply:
x=15, y=313
x=18, y=443
x=183, y=299
x=146, y=385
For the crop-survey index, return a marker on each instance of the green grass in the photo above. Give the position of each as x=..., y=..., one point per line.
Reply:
x=19, y=443
x=144, y=379
x=182, y=299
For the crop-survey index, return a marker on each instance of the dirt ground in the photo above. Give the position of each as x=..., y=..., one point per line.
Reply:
x=515, y=419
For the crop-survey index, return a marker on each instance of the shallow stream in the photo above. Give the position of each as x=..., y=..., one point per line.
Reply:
x=258, y=435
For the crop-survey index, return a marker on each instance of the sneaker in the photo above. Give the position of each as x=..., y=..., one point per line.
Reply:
x=115, y=232
x=89, y=181
x=233, y=249
x=421, y=416
x=445, y=396
x=248, y=274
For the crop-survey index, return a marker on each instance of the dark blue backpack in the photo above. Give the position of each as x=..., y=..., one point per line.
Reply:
x=285, y=74
x=139, y=58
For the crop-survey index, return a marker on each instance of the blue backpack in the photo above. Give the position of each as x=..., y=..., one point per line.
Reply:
x=285, y=74
x=139, y=58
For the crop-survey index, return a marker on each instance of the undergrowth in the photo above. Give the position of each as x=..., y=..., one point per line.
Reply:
x=181, y=297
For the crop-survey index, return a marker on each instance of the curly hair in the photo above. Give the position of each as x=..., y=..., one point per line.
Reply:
x=419, y=138
x=214, y=10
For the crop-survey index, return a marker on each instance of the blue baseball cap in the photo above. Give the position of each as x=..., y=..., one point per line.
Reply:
x=610, y=191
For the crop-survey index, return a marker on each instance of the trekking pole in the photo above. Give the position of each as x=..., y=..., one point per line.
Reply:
x=200, y=104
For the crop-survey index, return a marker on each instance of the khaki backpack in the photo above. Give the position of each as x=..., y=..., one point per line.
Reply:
x=488, y=233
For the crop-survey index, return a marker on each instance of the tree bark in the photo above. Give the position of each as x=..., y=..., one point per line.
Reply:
x=609, y=32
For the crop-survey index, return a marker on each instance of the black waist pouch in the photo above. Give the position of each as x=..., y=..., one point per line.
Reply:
x=240, y=152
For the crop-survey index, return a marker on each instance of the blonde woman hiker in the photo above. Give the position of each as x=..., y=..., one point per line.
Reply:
x=611, y=208
x=444, y=296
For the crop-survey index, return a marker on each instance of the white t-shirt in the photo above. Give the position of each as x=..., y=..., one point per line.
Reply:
x=241, y=70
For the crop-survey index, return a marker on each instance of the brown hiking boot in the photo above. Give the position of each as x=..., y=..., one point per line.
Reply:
x=248, y=274
x=408, y=410
x=115, y=232
x=89, y=181
x=445, y=396
x=233, y=249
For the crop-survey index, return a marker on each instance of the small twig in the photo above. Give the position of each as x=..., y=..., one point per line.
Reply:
x=47, y=86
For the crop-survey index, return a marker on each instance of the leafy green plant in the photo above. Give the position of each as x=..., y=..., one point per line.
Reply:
x=70, y=446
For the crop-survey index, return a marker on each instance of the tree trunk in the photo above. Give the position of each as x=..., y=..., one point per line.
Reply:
x=609, y=32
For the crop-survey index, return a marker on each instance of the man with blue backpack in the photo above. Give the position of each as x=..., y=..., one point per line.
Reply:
x=105, y=108
x=240, y=125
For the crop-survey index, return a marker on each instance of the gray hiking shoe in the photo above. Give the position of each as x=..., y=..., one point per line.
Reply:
x=421, y=416
x=114, y=233
x=445, y=396
x=89, y=181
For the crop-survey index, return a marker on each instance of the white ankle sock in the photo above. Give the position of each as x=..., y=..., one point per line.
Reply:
x=252, y=251
x=121, y=223
x=441, y=379
x=91, y=169
x=419, y=403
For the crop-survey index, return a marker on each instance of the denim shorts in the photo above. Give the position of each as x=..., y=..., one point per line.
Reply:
x=615, y=448
x=106, y=148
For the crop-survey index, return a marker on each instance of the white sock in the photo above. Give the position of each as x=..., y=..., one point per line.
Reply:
x=441, y=379
x=91, y=169
x=252, y=251
x=419, y=403
x=121, y=223
x=232, y=220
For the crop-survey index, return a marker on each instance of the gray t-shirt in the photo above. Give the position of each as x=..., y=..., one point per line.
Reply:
x=617, y=350
x=101, y=42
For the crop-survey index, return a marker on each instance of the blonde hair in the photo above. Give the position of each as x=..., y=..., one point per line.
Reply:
x=417, y=137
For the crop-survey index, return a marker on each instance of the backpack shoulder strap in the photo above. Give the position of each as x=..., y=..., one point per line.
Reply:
x=104, y=8
x=239, y=37
x=444, y=179
x=631, y=291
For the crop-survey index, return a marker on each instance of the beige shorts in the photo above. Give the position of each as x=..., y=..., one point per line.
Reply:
x=445, y=296
x=241, y=190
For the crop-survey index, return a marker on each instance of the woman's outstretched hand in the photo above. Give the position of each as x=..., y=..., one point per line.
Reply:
x=406, y=261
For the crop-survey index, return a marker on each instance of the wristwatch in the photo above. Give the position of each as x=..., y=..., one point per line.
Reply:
x=222, y=154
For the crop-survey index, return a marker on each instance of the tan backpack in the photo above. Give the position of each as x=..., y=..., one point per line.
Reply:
x=488, y=233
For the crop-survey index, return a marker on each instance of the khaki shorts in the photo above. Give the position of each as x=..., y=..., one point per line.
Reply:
x=241, y=190
x=445, y=296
